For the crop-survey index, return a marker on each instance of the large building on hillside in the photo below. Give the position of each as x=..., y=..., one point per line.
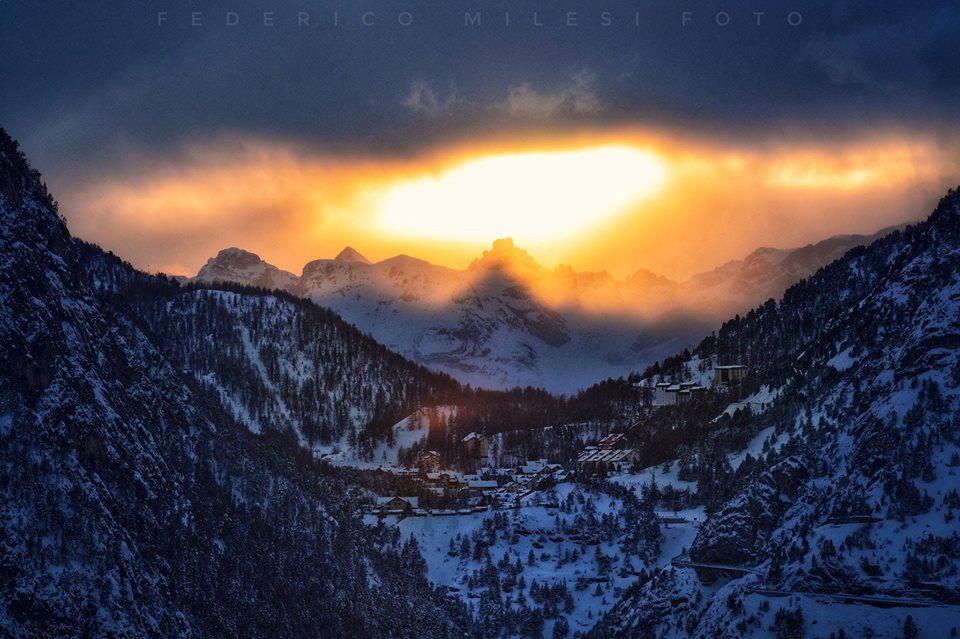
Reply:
x=729, y=373
x=476, y=444
x=667, y=394
x=428, y=461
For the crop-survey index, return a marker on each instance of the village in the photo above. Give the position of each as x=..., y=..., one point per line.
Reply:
x=428, y=488
x=450, y=492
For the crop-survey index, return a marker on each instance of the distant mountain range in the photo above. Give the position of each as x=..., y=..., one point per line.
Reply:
x=507, y=321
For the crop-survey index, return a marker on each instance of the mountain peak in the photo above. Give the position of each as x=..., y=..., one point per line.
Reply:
x=243, y=267
x=236, y=256
x=504, y=254
x=349, y=254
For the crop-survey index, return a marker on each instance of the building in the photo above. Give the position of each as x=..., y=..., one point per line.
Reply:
x=688, y=391
x=445, y=483
x=397, y=505
x=617, y=460
x=729, y=374
x=428, y=461
x=664, y=394
x=480, y=488
x=533, y=466
x=476, y=444
x=537, y=472
x=613, y=441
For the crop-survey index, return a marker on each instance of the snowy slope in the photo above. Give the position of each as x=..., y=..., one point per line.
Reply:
x=846, y=517
x=279, y=363
x=131, y=503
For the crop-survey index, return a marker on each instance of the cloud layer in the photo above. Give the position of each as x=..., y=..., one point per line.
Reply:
x=91, y=81
x=714, y=202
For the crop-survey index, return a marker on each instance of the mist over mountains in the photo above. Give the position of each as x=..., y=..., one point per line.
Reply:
x=507, y=321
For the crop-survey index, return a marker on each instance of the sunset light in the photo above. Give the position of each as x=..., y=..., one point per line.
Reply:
x=630, y=200
x=480, y=320
x=532, y=196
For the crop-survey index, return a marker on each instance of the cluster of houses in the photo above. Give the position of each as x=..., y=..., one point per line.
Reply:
x=498, y=486
x=454, y=484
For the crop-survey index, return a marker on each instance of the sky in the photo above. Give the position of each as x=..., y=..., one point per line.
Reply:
x=606, y=135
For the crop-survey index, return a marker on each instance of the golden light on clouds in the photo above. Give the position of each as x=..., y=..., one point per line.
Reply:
x=883, y=164
x=530, y=196
x=616, y=201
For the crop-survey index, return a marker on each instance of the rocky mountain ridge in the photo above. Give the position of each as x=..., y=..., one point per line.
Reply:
x=507, y=321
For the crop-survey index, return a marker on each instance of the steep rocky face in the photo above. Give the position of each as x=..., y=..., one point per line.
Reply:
x=857, y=495
x=131, y=502
x=243, y=267
x=739, y=532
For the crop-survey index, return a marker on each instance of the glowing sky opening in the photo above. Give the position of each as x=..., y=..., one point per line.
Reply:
x=531, y=196
x=617, y=201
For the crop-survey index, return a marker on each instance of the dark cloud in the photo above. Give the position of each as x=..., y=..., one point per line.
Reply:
x=87, y=83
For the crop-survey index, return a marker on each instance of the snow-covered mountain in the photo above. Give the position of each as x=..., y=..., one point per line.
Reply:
x=237, y=265
x=281, y=364
x=768, y=272
x=507, y=321
x=832, y=503
x=132, y=502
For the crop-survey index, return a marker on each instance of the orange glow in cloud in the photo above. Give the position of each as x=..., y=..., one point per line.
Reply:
x=531, y=196
x=618, y=201
x=878, y=165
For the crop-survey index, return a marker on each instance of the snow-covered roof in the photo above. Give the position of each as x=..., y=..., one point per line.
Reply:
x=482, y=484
x=533, y=466
x=413, y=501
x=530, y=469
x=730, y=366
x=608, y=456
x=473, y=436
